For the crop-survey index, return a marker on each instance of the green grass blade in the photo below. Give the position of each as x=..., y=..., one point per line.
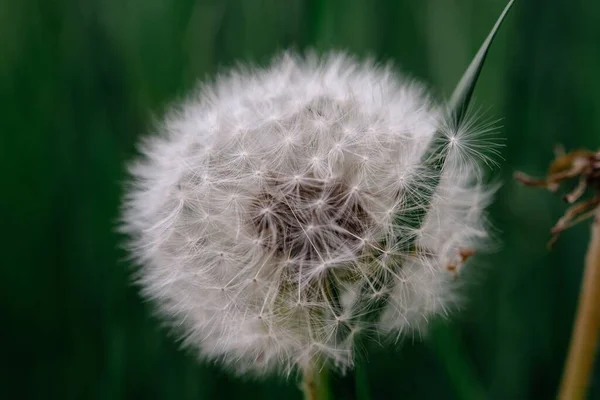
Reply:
x=459, y=102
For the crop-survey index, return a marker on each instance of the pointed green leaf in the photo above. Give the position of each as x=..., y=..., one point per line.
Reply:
x=459, y=102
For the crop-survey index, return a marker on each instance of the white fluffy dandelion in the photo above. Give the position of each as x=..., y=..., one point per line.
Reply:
x=270, y=214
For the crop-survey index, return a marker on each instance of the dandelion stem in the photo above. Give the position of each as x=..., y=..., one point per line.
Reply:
x=584, y=341
x=315, y=383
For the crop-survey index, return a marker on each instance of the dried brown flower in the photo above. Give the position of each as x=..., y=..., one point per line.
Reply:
x=580, y=164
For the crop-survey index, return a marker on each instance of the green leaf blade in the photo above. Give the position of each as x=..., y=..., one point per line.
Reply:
x=461, y=97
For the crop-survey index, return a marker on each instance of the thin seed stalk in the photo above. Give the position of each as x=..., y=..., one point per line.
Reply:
x=586, y=333
x=315, y=384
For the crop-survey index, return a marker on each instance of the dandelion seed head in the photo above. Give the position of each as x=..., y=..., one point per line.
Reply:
x=270, y=196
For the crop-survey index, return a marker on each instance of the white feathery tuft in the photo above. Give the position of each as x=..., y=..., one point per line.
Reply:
x=271, y=196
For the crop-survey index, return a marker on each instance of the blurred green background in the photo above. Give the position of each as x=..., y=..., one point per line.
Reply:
x=81, y=80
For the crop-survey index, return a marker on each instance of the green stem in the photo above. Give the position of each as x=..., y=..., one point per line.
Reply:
x=316, y=383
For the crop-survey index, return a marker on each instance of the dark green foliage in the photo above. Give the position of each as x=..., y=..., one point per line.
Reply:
x=80, y=80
